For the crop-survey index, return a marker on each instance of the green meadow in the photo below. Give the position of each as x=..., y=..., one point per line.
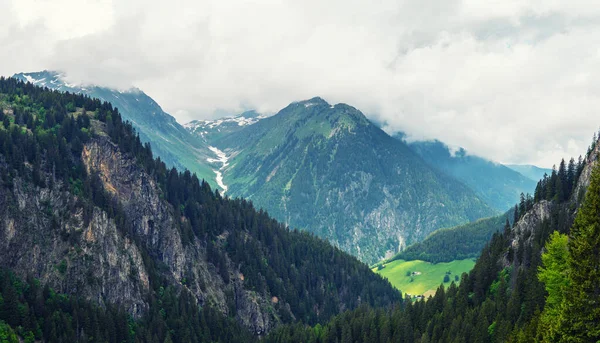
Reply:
x=422, y=278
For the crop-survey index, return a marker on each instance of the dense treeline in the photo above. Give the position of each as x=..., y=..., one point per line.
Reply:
x=571, y=276
x=466, y=241
x=457, y=243
x=41, y=139
x=305, y=272
x=35, y=312
x=560, y=184
x=491, y=303
x=522, y=288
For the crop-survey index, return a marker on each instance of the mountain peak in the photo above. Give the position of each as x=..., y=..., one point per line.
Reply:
x=54, y=79
x=316, y=101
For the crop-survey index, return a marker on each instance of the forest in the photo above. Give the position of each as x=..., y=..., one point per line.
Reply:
x=41, y=139
x=539, y=285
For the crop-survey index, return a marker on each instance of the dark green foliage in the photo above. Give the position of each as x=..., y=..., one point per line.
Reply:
x=560, y=185
x=171, y=141
x=328, y=170
x=488, y=306
x=493, y=303
x=312, y=280
x=582, y=313
x=37, y=312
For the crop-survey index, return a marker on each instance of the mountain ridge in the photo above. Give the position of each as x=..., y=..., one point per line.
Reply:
x=170, y=140
x=87, y=211
x=499, y=185
x=317, y=158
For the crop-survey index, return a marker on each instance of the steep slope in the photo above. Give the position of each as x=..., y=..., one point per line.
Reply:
x=533, y=172
x=327, y=169
x=503, y=298
x=87, y=211
x=170, y=141
x=498, y=185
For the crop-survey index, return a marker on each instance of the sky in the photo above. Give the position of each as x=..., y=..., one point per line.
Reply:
x=513, y=81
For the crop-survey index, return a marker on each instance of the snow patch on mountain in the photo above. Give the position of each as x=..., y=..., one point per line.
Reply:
x=240, y=120
x=222, y=159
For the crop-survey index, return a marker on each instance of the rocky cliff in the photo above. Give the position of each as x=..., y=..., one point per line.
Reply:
x=85, y=209
x=47, y=237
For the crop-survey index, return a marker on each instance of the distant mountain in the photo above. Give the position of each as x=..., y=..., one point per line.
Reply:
x=530, y=171
x=170, y=141
x=327, y=169
x=495, y=183
x=212, y=130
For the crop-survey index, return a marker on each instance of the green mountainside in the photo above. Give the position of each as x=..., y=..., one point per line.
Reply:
x=170, y=140
x=102, y=243
x=328, y=170
x=456, y=243
x=536, y=281
x=498, y=185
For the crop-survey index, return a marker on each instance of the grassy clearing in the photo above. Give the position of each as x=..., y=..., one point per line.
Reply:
x=422, y=278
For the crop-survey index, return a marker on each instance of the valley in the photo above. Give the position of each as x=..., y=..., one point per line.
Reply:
x=105, y=214
x=299, y=171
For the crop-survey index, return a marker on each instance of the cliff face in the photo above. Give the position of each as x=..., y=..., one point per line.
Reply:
x=153, y=223
x=524, y=230
x=44, y=235
x=50, y=235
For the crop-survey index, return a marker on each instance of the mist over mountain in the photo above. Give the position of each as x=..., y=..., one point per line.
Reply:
x=170, y=140
x=498, y=185
x=533, y=172
x=327, y=169
x=108, y=244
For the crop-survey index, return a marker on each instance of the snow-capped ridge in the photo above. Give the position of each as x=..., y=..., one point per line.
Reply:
x=58, y=80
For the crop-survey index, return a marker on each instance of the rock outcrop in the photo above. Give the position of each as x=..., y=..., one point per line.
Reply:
x=50, y=235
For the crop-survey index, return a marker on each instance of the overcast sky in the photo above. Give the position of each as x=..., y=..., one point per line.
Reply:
x=515, y=81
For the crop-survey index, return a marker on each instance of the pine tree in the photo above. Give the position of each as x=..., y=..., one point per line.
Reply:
x=522, y=205
x=554, y=275
x=561, y=182
x=571, y=175
x=583, y=295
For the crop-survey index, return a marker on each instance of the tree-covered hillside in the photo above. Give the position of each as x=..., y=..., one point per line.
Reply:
x=328, y=170
x=496, y=184
x=171, y=141
x=457, y=243
x=91, y=216
x=536, y=281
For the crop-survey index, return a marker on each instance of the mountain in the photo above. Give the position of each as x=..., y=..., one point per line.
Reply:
x=170, y=141
x=536, y=281
x=101, y=242
x=498, y=185
x=530, y=171
x=327, y=169
x=213, y=130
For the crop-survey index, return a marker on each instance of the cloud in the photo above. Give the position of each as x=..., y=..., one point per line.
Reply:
x=514, y=81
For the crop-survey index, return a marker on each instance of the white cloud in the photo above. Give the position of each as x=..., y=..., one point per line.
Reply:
x=514, y=81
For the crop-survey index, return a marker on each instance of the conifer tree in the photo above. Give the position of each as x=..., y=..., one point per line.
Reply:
x=583, y=295
x=554, y=275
